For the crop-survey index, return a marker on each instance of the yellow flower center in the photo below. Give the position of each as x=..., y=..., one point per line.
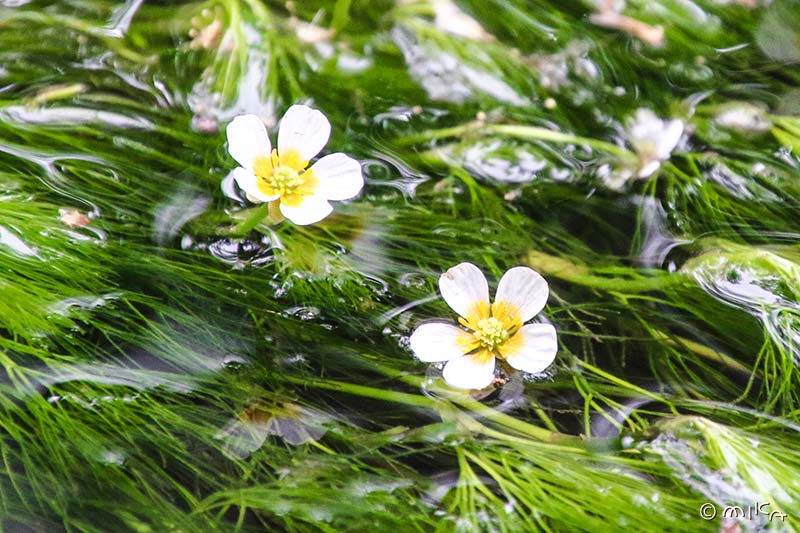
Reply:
x=491, y=333
x=284, y=179
x=285, y=175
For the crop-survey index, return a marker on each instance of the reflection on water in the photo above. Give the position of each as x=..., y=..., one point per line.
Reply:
x=72, y=116
x=171, y=216
x=8, y=238
x=211, y=108
x=445, y=77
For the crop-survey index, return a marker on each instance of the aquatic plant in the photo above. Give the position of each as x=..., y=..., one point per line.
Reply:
x=174, y=361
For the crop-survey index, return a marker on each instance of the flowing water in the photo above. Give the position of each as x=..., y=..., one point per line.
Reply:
x=175, y=360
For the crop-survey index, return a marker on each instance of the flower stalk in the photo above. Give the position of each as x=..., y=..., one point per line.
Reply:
x=528, y=133
x=250, y=219
x=567, y=271
x=462, y=400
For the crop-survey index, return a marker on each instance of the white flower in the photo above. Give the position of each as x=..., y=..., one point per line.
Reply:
x=653, y=140
x=282, y=175
x=492, y=330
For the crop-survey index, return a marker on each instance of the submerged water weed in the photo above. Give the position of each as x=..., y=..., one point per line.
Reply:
x=160, y=370
x=492, y=330
x=729, y=466
x=765, y=284
x=282, y=176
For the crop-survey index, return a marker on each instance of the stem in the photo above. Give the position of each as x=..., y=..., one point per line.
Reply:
x=622, y=383
x=251, y=219
x=519, y=426
x=57, y=92
x=563, y=269
x=528, y=133
x=341, y=15
x=275, y=215
x=259, y=10
x=462, y=400
x=703, y=351
x=413, y=400
x=424, y=9
x=534, y=133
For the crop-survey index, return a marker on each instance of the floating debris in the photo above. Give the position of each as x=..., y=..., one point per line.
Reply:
x=614, y=20
x=74, y=218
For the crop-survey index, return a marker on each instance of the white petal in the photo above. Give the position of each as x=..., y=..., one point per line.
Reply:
x=653, y=138
x=617, y=179
x=305, y=130
x=532, y=349
x=668, y=138
x=648, y=168
x=473, y=371
x=247, y=139
x=464, y=288
x=645, y=127
x=339, y=176
x=437, y=341
x=312, y=209
x=247, y=182
x=524, y=290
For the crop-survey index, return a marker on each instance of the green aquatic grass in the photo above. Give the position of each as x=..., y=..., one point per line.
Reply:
x=164, y=364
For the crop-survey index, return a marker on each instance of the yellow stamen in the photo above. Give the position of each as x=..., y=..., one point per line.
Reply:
x=493, y=327
x=508, y=314
x=285, y=175
x=491, y=333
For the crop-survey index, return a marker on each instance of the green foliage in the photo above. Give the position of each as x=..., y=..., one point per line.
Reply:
x=172, y=362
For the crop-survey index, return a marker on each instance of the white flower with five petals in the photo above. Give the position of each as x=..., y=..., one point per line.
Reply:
x=653, y=140
x=283, y=175
x=492, y=331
